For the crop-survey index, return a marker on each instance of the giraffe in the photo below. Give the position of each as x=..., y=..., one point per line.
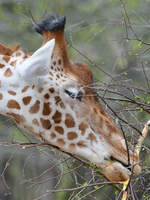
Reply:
x=48, y=96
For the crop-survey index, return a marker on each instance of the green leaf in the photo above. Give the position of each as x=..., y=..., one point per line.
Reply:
x=85, y=184
x=53, y=149
x=91, y=165
x=140, y=43
x=116, y=192
x=96, y=187
x=141, y=109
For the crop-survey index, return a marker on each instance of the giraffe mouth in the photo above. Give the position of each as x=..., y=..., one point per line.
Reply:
x=128, y=166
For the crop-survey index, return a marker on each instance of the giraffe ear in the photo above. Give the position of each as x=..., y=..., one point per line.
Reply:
x=38, y=64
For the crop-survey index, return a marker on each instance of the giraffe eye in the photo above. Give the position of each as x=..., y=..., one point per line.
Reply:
x=74, y=93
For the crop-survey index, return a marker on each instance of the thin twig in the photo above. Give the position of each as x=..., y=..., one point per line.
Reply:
x=126, y=144
x=71, y=189
x=119, y=116
x=145, y=75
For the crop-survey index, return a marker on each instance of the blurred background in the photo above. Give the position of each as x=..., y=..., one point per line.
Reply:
x=115, y=42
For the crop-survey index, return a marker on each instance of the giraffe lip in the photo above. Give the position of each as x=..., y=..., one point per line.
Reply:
x=128, y=166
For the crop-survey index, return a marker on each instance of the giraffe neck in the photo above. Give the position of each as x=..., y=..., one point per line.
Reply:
x=60, y=49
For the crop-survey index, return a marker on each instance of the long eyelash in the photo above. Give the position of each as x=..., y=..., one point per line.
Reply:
x=70, y=94
x=74, y=96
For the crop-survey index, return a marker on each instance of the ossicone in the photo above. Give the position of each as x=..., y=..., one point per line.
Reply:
x=51, y=23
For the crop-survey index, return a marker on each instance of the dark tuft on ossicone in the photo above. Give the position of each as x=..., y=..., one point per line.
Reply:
x=51, y=23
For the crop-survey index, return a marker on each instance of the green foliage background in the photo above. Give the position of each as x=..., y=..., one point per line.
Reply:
x=96, y=28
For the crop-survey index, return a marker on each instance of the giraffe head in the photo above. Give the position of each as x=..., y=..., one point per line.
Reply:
x=49, y=96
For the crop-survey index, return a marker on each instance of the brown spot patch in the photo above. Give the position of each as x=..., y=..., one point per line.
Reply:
x=13, y=63
x=35, y=122
x=33, y=86
x=57, y=76
x=81, y=144
x=1, y=66
x=35, y=108
x=26, y=100
x=51, y=73
x=25, y=88
x=17, y=118
x=59, y=61
x=6, y=58
x=51, y=90
x=13, y=104
x=61, y=142
x=54, y=63
x=29, y=128
x=14, y=85
x=69, y=121
x=59, y=129
x=72, y=135
x=52, y=67
x=1, y=96
x=91, y=137
x=12, y=92
x=40, y=90
x=57, y=117
x=5, y=50
x=46, y=109
x=45, y=123
x=82, y=127
x=62, y=105
x=57, y=100
x=8, y=73
x=53, y=135
x=95, y=110
x=46, y=96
